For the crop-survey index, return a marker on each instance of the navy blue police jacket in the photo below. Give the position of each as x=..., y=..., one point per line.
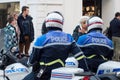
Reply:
x=96, y=44
x=52, y=49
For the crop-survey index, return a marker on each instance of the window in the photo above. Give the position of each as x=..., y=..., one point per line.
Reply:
x=92, y=7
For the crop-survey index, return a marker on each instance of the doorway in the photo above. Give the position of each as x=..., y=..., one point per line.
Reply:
x=92, y=7
x=3, y=18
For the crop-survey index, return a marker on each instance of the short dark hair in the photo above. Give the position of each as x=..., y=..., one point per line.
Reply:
x=10, y=19
x=117, y=14
x=24, y=8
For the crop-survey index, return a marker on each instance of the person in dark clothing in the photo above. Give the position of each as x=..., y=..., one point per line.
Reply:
x=81, y=28
x=95, y=45
x=114, y=35
x=26, y=31
x=76, y=33
x=52, y=49
x=44, y=29
x=114, y=27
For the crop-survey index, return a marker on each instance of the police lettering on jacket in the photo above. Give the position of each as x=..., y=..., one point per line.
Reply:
x=58, y=39
x=99, y=40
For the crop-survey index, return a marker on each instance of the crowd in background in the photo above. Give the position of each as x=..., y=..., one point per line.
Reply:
x=19, y=32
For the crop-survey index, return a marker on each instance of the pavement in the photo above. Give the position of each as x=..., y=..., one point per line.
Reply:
x=1, y=38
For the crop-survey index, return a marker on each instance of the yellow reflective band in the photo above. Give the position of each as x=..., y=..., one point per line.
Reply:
x=52, y=62
x=103, y=57
x=81, y=57
x=89, y=57
x=42, y=63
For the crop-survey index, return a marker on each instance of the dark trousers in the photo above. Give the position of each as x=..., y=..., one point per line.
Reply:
x=94, y=63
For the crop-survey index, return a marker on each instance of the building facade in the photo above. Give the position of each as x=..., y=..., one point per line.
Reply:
x=72, y=10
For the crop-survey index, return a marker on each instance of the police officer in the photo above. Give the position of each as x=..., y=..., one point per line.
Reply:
x=96, y=46
x=51, y=49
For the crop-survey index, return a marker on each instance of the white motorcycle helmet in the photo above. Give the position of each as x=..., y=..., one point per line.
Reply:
x=54, y=19
x=71, y=62
x=95, y=22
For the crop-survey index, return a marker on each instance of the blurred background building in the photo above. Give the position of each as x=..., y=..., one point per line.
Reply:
x=71, y=9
